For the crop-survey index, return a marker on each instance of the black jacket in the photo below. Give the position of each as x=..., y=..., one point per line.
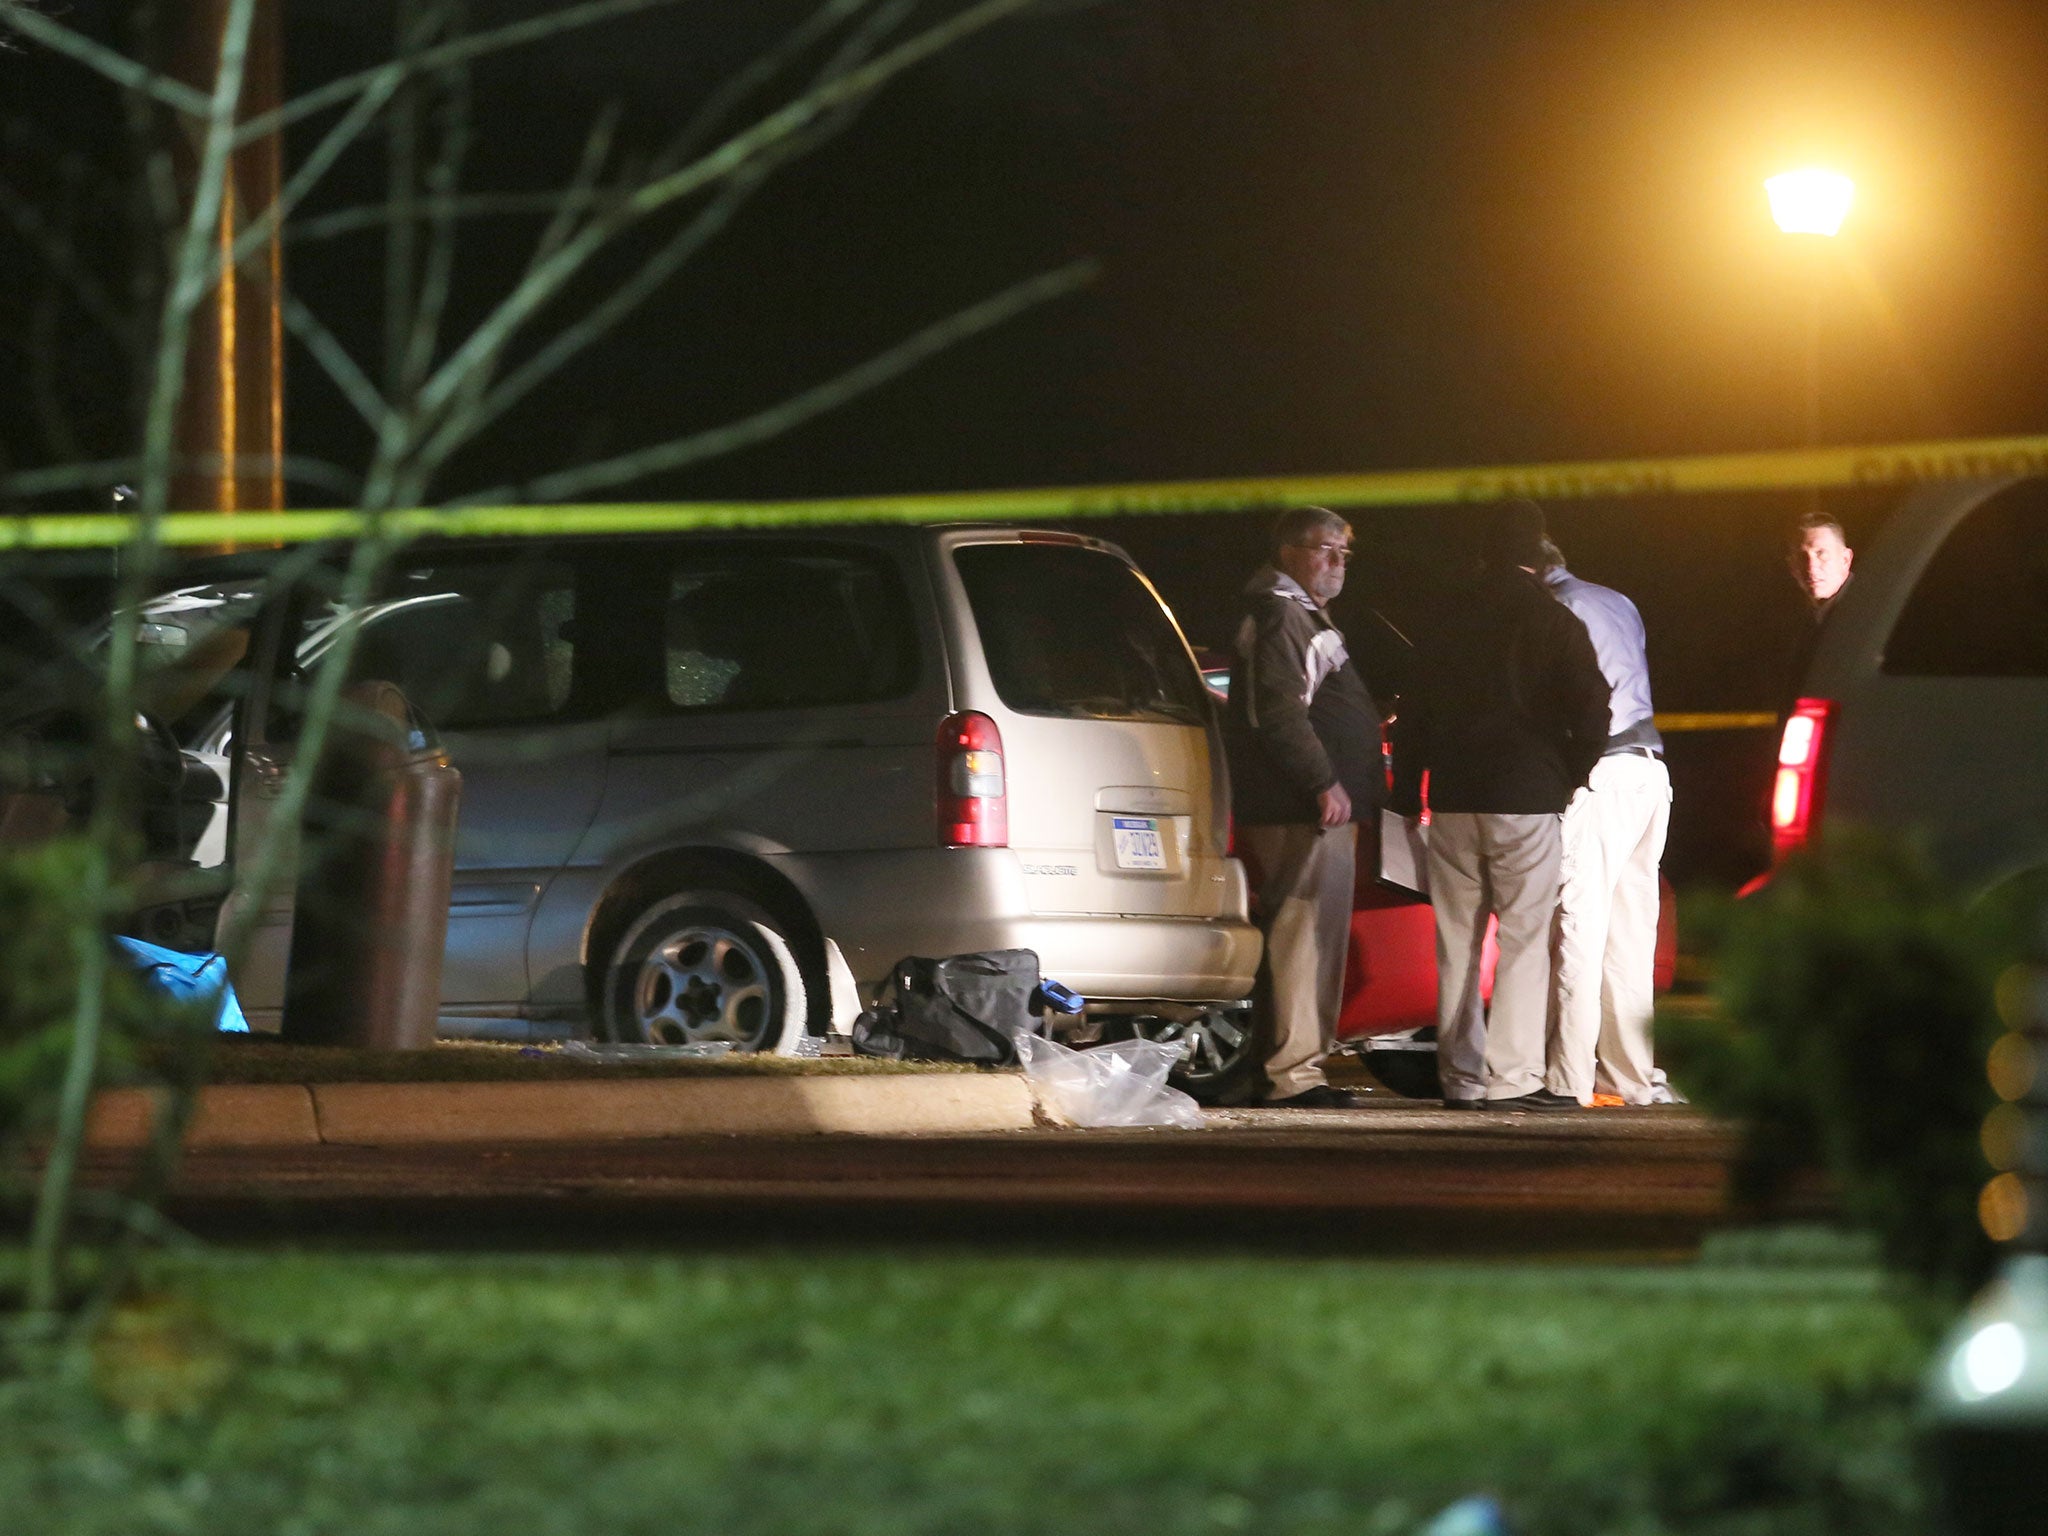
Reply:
x=1509, y=712
x=1300, y=717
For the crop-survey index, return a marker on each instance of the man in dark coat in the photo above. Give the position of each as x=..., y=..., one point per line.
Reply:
x=1303, y=737
x=1509, y=715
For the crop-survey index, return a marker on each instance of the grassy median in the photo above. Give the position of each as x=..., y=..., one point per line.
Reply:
x=936, y=1392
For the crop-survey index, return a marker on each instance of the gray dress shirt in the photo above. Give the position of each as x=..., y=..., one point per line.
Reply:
x=1622, y=651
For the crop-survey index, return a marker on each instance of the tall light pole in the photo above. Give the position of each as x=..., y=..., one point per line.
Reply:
x=1810, y=204
x=230, y=431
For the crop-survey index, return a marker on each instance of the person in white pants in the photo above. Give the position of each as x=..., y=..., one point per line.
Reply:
x=1505, y=866
x=1603, y=978
x=1506, y=718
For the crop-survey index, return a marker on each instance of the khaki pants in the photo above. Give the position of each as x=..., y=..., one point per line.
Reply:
x=1505, y=867
x=1606, y=959
x=1305, y=888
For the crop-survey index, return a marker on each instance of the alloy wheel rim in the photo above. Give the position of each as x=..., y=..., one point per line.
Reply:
x=1211, y=1044
x=705, y=983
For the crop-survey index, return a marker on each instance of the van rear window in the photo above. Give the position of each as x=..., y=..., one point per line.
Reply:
x=1981, y=606
x=1076, y=632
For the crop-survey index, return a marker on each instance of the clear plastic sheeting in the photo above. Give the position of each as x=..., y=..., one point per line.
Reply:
x=1123, y=1083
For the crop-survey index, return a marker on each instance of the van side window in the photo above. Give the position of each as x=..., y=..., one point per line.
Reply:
x=1076, y=632
x=1981, y=607
x=483, y=644
x=785, y=627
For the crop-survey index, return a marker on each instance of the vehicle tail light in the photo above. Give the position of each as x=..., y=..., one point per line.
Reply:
x=973, y=808
x=1796, y=792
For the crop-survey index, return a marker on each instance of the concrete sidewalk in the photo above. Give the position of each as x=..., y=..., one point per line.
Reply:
x=397, y=1114
x=637, y=1109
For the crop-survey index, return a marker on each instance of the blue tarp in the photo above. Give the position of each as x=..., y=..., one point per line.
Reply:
x=188, y=978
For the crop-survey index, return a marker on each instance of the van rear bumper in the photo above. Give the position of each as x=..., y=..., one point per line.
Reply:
x=879, y=907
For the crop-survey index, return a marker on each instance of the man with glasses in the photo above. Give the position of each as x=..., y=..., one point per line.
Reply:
x=1305, y=766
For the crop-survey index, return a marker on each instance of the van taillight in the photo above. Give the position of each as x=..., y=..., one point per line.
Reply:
x=1802, y=769
x=973, y=809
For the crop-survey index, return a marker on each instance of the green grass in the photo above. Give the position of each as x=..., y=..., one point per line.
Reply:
x=940, y=1393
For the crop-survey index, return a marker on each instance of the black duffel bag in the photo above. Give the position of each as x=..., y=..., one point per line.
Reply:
x=960, y=1008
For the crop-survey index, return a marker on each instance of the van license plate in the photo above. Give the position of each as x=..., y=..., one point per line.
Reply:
x=1137, y=842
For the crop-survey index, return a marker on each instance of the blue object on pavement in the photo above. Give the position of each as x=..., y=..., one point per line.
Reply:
x=1052, y=997
x=199, y=979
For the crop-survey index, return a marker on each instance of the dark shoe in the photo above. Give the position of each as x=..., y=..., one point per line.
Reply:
x=1322, y=1096
x=1541, y=1099
x=1464, y=1103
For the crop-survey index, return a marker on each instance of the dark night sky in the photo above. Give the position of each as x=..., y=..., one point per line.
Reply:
x=1335, y=235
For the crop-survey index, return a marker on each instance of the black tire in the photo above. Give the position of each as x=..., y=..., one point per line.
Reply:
x=699, y=967
x=1226, y=1050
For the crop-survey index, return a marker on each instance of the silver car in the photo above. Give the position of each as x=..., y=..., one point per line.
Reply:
x=689, y=762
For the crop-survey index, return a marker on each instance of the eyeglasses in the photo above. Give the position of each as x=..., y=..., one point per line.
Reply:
x=1341, y=553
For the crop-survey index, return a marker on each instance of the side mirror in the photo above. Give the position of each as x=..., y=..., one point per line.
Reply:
x=201, y=783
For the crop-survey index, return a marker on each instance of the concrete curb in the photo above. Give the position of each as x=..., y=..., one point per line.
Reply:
x=418, y=1114
x=227, y=1115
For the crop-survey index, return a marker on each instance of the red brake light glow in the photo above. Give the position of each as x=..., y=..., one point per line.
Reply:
x=1796, y=792
x=973, y=807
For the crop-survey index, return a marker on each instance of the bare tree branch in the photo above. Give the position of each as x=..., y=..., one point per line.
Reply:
x=541, y=286
x=334, y=359
x=105, y=61
x=442, y=177
x=583, y=192
x=98, y=474
x=475, y=410
x=457, y=424
x=907, y=354
x=466, y=205
x=57, y=249
x=110, y=820
x=46, y=394
x=758, y=72
x=462, y=50
x=402, y=187
x=337, y=139
x=153, y=211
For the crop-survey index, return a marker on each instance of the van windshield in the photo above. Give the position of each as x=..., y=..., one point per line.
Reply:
x=1076, y=632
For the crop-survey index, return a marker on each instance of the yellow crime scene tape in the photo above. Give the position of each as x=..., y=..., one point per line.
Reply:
x=1774, y=470
x=1731, y=720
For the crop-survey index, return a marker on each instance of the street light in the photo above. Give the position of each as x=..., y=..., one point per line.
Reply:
x=1810, y=201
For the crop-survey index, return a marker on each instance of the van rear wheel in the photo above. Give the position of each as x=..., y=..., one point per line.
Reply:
x=1223, y=1050
x=701, y=968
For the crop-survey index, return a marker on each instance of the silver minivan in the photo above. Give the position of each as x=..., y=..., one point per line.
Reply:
x=690, y=761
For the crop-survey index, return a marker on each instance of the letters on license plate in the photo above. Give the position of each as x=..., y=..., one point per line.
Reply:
x=1137, y=842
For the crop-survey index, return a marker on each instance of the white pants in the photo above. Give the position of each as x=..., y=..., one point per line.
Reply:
x=1507, y=867
x=1305, y=888
x=1606, y=958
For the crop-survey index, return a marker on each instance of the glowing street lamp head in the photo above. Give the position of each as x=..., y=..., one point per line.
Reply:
x=1810, y=201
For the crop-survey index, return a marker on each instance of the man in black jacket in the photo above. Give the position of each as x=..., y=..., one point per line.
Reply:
x=1508, y=719
x=1303, y=737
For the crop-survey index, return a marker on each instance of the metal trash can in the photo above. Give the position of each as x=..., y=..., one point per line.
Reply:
x=370, y=912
